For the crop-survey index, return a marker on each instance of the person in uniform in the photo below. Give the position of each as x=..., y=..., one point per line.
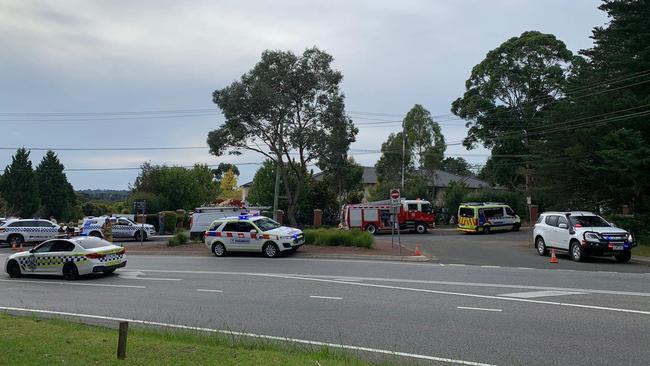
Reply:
x=107, y=230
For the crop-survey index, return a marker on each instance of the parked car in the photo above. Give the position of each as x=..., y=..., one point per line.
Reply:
x=245, y=233
x=202, y=217
x=19, y=231
x=486, y=217
x=581, y=234
x=122, y=228
x=70, y=258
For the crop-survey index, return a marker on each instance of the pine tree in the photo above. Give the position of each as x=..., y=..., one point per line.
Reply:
x=56, y=193
x=19, y=185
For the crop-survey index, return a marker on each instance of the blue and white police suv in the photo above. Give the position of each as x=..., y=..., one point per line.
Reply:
x=252, y=233
x=68, y=257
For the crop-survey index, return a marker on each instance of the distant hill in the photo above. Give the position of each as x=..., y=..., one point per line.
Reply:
x=104, y=194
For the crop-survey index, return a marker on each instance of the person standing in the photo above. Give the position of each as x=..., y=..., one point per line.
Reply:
x=107, y=230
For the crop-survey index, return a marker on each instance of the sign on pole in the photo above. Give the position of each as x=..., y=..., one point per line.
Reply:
x=394, y=197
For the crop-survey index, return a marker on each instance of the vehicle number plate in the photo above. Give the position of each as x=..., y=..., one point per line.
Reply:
x=619, y=247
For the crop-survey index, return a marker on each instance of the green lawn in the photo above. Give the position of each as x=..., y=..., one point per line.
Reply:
x=30, y=341
x=641, y=250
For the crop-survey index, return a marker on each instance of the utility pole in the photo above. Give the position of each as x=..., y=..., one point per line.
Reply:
x=403, y=151
x=277, y=191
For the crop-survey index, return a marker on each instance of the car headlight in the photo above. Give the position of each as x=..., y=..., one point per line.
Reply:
x=593, y=237
x=630, y=238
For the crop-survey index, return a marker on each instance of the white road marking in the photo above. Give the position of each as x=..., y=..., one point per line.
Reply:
x=524, y=268
x=73, y=283
x=326, y=297
x=441, y=265
x=457, y=265
x=135, y=275
x=490, y=266
x=582, y=306
x=380, y=279
x=534, y=294
x=206, y=290
x=253, y=335
x=481, y=309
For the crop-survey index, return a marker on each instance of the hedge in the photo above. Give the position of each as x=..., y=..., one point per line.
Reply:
x=171, y=218
x=336, y=237
x=179, y=239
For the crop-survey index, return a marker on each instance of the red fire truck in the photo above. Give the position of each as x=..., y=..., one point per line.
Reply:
x=416, y=215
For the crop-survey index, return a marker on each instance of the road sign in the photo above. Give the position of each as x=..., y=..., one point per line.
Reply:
x=140, y=206
x=394, y=197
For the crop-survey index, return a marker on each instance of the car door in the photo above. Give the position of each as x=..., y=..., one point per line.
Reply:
x=562, y=235
x=52, y=261
x=122, y=228
x=510, y=217
x=243, y=238
x=38, y=259
x=47, y=230
x=550, y=234
x=228, y=233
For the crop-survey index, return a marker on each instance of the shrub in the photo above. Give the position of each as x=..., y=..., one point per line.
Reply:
x=171, y=218
x=179, y=239
x=336, y=237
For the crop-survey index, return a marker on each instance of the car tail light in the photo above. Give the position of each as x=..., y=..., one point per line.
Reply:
x=95, y=255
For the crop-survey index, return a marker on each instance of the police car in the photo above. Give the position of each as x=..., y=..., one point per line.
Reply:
x=19, y=231
x=68, y=257
x=122, y=228
x=252, y=233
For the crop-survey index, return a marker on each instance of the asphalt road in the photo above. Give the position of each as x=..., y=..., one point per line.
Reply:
x=503, y=316
x=508, y=249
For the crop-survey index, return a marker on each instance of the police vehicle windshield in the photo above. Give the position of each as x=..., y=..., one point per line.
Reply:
x=266, y=224
x=589, y=221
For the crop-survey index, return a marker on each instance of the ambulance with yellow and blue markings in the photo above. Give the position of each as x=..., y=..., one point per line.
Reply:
x=252, y=233
x=486, y=217
x=70, y=258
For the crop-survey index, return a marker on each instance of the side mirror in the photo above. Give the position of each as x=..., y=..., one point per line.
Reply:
x=32, y=250
x=563, y=226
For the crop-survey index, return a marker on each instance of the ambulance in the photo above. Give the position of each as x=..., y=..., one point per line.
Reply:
x=486, y=217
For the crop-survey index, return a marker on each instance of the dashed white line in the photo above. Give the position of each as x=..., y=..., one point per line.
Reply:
x=326, y=297
x=253, y=335
x=206, y=290
x=480, y=309
x=457, y=265
x=73, y=283
x=534, y=294
x=490, y=266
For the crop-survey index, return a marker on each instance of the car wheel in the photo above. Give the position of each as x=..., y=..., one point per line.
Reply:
x=270, y=250
x=70, y=272
x=109, y=272
x=486, y=230
x=16, y=240
x=218, y=249
x=540, y=245
x=136, y=236
x=577, y=254
x=624, y=257
x=372, y=229
x=516, y=227
x=13, y=269
x=421, y=228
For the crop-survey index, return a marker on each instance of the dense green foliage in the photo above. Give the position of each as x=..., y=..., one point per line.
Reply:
x=336, y=237
x=287, y=104
x=20, y=185
x=172, y=187
x=180, y=238
x=57, y=196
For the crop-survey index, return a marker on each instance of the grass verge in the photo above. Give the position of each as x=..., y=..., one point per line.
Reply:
x=643, y=249
x=32, y=341
x=336, y=237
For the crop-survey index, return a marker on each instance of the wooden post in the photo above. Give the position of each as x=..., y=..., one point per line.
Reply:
x=121, y=341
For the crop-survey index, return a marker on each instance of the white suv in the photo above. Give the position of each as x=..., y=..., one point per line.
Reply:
x=581, y=234
x=19, y=231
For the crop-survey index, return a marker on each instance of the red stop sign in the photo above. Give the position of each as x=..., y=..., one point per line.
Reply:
x=394, y=194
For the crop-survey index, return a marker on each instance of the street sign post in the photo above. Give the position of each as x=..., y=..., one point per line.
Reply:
x=395, y=201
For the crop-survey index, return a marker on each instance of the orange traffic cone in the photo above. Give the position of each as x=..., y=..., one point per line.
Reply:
x=13, y=247
x=553, y=257
x=417, y=249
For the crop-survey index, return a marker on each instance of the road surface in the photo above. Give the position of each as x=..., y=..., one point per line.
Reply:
x=427, y=311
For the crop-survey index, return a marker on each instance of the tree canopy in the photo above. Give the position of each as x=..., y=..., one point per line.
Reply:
x=57, y=195
x=20, y=186
x=288, y=108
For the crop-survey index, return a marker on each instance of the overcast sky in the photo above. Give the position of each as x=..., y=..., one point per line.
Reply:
x=116, y=56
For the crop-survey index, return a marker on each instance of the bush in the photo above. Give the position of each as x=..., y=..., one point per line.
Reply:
x=179, y=239
x=336, y=237
x=171, y=218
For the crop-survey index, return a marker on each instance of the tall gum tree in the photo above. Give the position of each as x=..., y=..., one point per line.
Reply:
x=288, y=108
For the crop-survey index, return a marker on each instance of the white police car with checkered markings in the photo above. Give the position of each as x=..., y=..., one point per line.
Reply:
x=19, y=231
x=122, y=228
x=68, y=257
x=252, y=233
